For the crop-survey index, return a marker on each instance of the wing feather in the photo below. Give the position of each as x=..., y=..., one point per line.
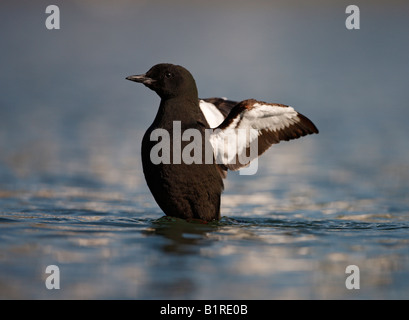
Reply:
x=252, y=127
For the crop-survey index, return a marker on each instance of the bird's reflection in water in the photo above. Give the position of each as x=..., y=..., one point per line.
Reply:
x=185, y=236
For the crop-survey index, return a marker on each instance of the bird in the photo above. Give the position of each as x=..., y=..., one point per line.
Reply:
x=191, y=189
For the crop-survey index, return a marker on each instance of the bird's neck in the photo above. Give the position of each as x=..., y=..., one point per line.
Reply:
x=183, y=109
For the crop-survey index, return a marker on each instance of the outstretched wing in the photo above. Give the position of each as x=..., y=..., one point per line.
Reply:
x=251, y=128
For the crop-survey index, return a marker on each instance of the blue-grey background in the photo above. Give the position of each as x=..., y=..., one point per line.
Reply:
x=72, y=192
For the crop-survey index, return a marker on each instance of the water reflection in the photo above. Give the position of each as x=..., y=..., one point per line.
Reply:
x=184, y=237
x=275, y=252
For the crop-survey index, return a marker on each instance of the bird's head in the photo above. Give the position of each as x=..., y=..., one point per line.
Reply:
x=168, y=81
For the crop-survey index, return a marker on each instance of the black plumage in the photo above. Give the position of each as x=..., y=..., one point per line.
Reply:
x=192, y=191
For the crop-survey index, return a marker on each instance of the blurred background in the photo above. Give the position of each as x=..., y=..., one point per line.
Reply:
x=72, y=191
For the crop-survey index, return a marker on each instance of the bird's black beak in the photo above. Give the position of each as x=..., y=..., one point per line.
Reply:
x=142, y=78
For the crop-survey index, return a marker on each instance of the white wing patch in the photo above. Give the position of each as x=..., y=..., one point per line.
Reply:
x=213, y=116
x=252, y=127
x=269, y=116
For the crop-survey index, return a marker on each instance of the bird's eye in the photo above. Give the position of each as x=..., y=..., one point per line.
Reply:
x=168, y=75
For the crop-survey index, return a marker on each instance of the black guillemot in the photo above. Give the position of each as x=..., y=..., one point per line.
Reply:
x=190, y=186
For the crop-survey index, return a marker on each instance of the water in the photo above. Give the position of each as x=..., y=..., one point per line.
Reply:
x=72, y=193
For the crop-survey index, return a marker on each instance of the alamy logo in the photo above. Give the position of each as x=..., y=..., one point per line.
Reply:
x=352, y=21
x=53, y=20
x=236, y=148
x=53, y=280
x=352, y=281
